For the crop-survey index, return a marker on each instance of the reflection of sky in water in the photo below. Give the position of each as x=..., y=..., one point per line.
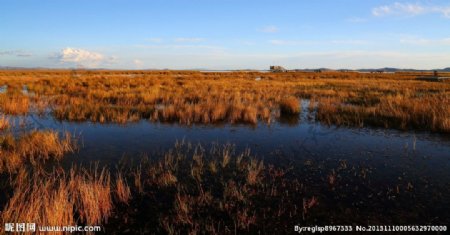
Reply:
x=392, y=158
x=3, y=89
x=385, y=149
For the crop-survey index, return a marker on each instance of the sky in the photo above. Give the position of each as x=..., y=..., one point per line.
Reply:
x=225, y=34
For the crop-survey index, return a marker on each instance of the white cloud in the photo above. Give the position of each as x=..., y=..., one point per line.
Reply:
x=190, y=40
x=270, y=29
x=83, y=58
x=410, y=9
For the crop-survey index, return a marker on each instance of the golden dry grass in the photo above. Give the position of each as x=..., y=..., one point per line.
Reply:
x=343, y=98
x=61, y=199
x=189, y=190
x=16, y=105
x=33, y=147
x=4, y=123
x=289, y=106
x=123, y=192
x=82, y=195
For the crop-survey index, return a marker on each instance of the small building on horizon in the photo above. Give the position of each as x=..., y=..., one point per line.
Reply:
x=277, y=69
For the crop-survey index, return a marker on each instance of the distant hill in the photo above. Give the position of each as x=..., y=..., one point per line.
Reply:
x=386, y=69
x=18, y=68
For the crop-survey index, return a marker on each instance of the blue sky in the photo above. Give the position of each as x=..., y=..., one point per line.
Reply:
x=225, y=34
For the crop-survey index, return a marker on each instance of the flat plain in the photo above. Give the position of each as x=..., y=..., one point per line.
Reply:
x=182, y=152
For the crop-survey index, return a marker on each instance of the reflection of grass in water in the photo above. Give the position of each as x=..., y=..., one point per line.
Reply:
x=189, y=190
x=387, y=100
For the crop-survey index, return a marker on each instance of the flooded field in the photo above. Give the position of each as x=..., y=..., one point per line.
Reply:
x=120, y=167
x=378, y=175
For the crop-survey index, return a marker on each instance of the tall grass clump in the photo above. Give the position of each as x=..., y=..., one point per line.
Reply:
x=61, y=199
x=14, y=104
x=289, y=106
x=33, y=147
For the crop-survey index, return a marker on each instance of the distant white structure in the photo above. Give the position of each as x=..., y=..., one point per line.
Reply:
x=277, y=69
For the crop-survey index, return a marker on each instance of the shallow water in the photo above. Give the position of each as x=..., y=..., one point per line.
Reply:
x=380, y=161
x=304, y=140
x=3, y=89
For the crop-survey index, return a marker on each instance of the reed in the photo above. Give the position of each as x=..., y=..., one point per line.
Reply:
x=61, y=198
x=396, y=100
x=33, y=148
x=290, y=106
x=13, y=104
x=190, y=189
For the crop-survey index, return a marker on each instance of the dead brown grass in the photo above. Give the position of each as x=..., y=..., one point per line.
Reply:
x=290, y=106
x=15, y=105
x=343, y=98
x=4, y=123
x=61, y=199
x=123, y=192
x=33, y=147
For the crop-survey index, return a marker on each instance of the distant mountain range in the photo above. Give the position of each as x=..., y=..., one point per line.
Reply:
x=401, y=70
x=386, y=69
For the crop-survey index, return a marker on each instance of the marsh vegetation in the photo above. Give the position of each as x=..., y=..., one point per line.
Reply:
x=351, y=99
x=186, y=152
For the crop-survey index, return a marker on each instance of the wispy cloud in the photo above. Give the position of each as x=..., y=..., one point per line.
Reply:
x=189, y=40
x=83, y=58
x=247, y=42
x=410, y=9
x=279, y=42
x=18, y=53
x=350, y=42
x=179, y=46
x=351, y=59
x=138, y=63
x=270, y=29
x=426, y=41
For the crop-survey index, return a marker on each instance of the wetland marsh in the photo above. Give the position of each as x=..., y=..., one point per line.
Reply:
x=223, y=152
